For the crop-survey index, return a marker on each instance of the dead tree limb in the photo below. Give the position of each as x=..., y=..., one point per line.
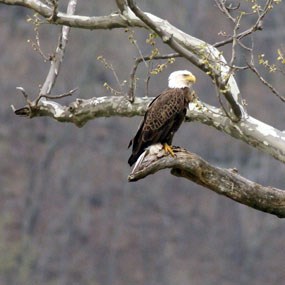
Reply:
x=226, y=182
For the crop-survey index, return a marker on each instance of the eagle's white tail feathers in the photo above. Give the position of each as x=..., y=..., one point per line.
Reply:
x=149, y=151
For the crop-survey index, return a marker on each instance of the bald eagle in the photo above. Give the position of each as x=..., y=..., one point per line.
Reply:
x=164, y=115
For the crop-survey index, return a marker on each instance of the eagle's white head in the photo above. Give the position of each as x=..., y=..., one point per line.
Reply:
x=180, y=79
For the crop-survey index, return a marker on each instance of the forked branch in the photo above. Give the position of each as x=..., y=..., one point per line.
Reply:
x=206, y=58
x=33, y=107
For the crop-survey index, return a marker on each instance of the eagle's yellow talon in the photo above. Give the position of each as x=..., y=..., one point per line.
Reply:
x=168, y=149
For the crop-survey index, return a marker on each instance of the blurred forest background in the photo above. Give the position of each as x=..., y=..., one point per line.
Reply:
x=68, y=214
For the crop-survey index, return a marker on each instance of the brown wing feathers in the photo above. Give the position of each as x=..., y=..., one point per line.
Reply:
x=162, y=119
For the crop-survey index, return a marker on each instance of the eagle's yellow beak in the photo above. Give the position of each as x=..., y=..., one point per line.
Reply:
x=190, y=78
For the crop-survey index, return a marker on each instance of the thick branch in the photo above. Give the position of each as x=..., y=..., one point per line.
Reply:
x=222, y=181
x=249, y=130
x=81, y=111
x=76, y=21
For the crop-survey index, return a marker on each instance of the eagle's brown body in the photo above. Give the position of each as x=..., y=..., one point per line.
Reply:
x=162, y=119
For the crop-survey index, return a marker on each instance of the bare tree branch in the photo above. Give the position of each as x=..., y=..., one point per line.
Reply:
x=248, y=129
x=79, y=112
x=225, y=182
x=55, y=10
x=257, y=26
x=221, y=4
x=121, y=5
x=57, y=59
x=200, y=53
x=84, y=22
x=265, y=82
x=195, y=56
x=32, y=106
x=136, y=64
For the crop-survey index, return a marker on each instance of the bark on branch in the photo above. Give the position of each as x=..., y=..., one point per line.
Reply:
x=226, y=182
x=250, y=130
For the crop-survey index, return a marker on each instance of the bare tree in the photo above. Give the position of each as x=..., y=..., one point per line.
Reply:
x=231, y=117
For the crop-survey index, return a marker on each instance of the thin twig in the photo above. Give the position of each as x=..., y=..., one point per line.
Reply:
x=37, y=45
x=265, y=82
x=244, y=46
x=54, y=67
x=223, y=106
x=255, y=27
x=53, y=16
x=121, y=5
x=147, y=78
x=53, y=97
x=225, y=10
x=235, y=41
x=23, y=91
x=135, y=67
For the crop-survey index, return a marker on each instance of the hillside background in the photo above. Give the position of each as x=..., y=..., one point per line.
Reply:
x=68, y=214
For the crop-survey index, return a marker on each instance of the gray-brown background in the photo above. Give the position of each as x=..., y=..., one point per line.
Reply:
x=68, y=214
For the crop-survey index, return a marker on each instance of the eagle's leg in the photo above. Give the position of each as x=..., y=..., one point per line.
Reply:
x=168, y=149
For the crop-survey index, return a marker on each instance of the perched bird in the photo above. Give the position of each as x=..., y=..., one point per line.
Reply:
x=164, y=115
